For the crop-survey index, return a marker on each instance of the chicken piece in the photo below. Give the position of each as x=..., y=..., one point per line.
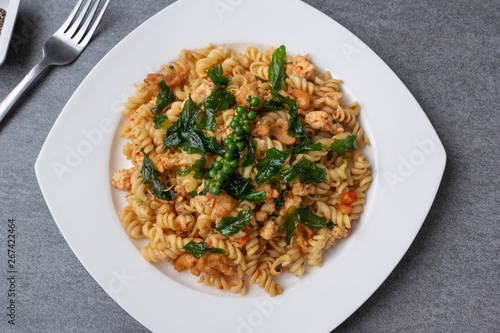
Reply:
x=167, y=209
x=221, y=132
x=202, y=92
x=269, y=207
x=249, y=91
x=269, y=230
x=290, y=200
x=262, y=127
x=222, y=203
x=160, y=162
x=122, y=179
x=261, y=216
x=339, y=232
x=270, y=192
x=212, y=264
x=280, y=132
x=302, y=98
x=302, y=189
x=321, y=120
x=301, y=67
x=171, y=80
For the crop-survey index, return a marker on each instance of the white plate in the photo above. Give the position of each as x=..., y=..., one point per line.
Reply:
x=82, y=150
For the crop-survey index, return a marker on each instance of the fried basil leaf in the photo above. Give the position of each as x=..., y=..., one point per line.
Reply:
x=150, y=178
x=183, y=133
x=217, y=101
x=210, y=143
x=281, y=201
x=294, y=216
x=295, y=128
x=239, y=187
x=307, y=146
x=216, y=74
x=164, y=98
x=291, y=222
x=277, y=68
x=271, y=105
x=342, y=146
x=310, y=219
x=271, y=164
x=198, y=168
x=251, y=151
x=199, y=249
x=229, y=225
x=161, y=121
x=309, y=171
x=330, y=225
x=275, y=183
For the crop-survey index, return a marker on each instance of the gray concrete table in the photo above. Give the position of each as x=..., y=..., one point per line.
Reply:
x=446, y=52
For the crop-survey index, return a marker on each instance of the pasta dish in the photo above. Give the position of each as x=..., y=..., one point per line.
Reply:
x=245, y=166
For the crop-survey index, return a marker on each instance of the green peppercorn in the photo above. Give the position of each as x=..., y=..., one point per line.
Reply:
x=217, y=165
x=233, y=164
x=219, y=184
x=252, y=115
x=220, y=177
x=237, y=138
x=240, y=145
x=237, y=118
x=230, y=136
x=234, y=124
x=208, y=183
x=246, y=122
x=247, y=128
x=228, y=156
x=255, y=101
x=212, y=173
x=215, y=190
x=244, y=117
x=227, y=168
x=239, y=130
x=231, y=146
x=240, y=110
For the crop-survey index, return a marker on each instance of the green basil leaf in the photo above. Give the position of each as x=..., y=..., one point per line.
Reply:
x=229, y=226
x=216, y=74
x=161, y=121
x=239, y=187
x=217, y=101
x=277, y=68
x=251, y=152
x=271, y=164
x=198, y=168
x=199, y=249
x=164, y=98
x=307, y=146
x=309, y=171
x=150, y=178
x=342, y=146
x=310, y=219
x=330, y=225
x=292, y=220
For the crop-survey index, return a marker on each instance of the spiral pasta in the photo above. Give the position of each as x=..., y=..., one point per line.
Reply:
x=259, y=252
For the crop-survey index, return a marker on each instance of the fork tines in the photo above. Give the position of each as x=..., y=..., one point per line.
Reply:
x=78, y=27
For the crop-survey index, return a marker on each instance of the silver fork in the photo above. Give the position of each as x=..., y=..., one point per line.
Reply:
x=62, y=48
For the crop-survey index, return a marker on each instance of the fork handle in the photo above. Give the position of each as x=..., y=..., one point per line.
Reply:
x=14, y=95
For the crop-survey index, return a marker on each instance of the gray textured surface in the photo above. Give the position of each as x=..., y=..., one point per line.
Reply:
x=446, y=52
